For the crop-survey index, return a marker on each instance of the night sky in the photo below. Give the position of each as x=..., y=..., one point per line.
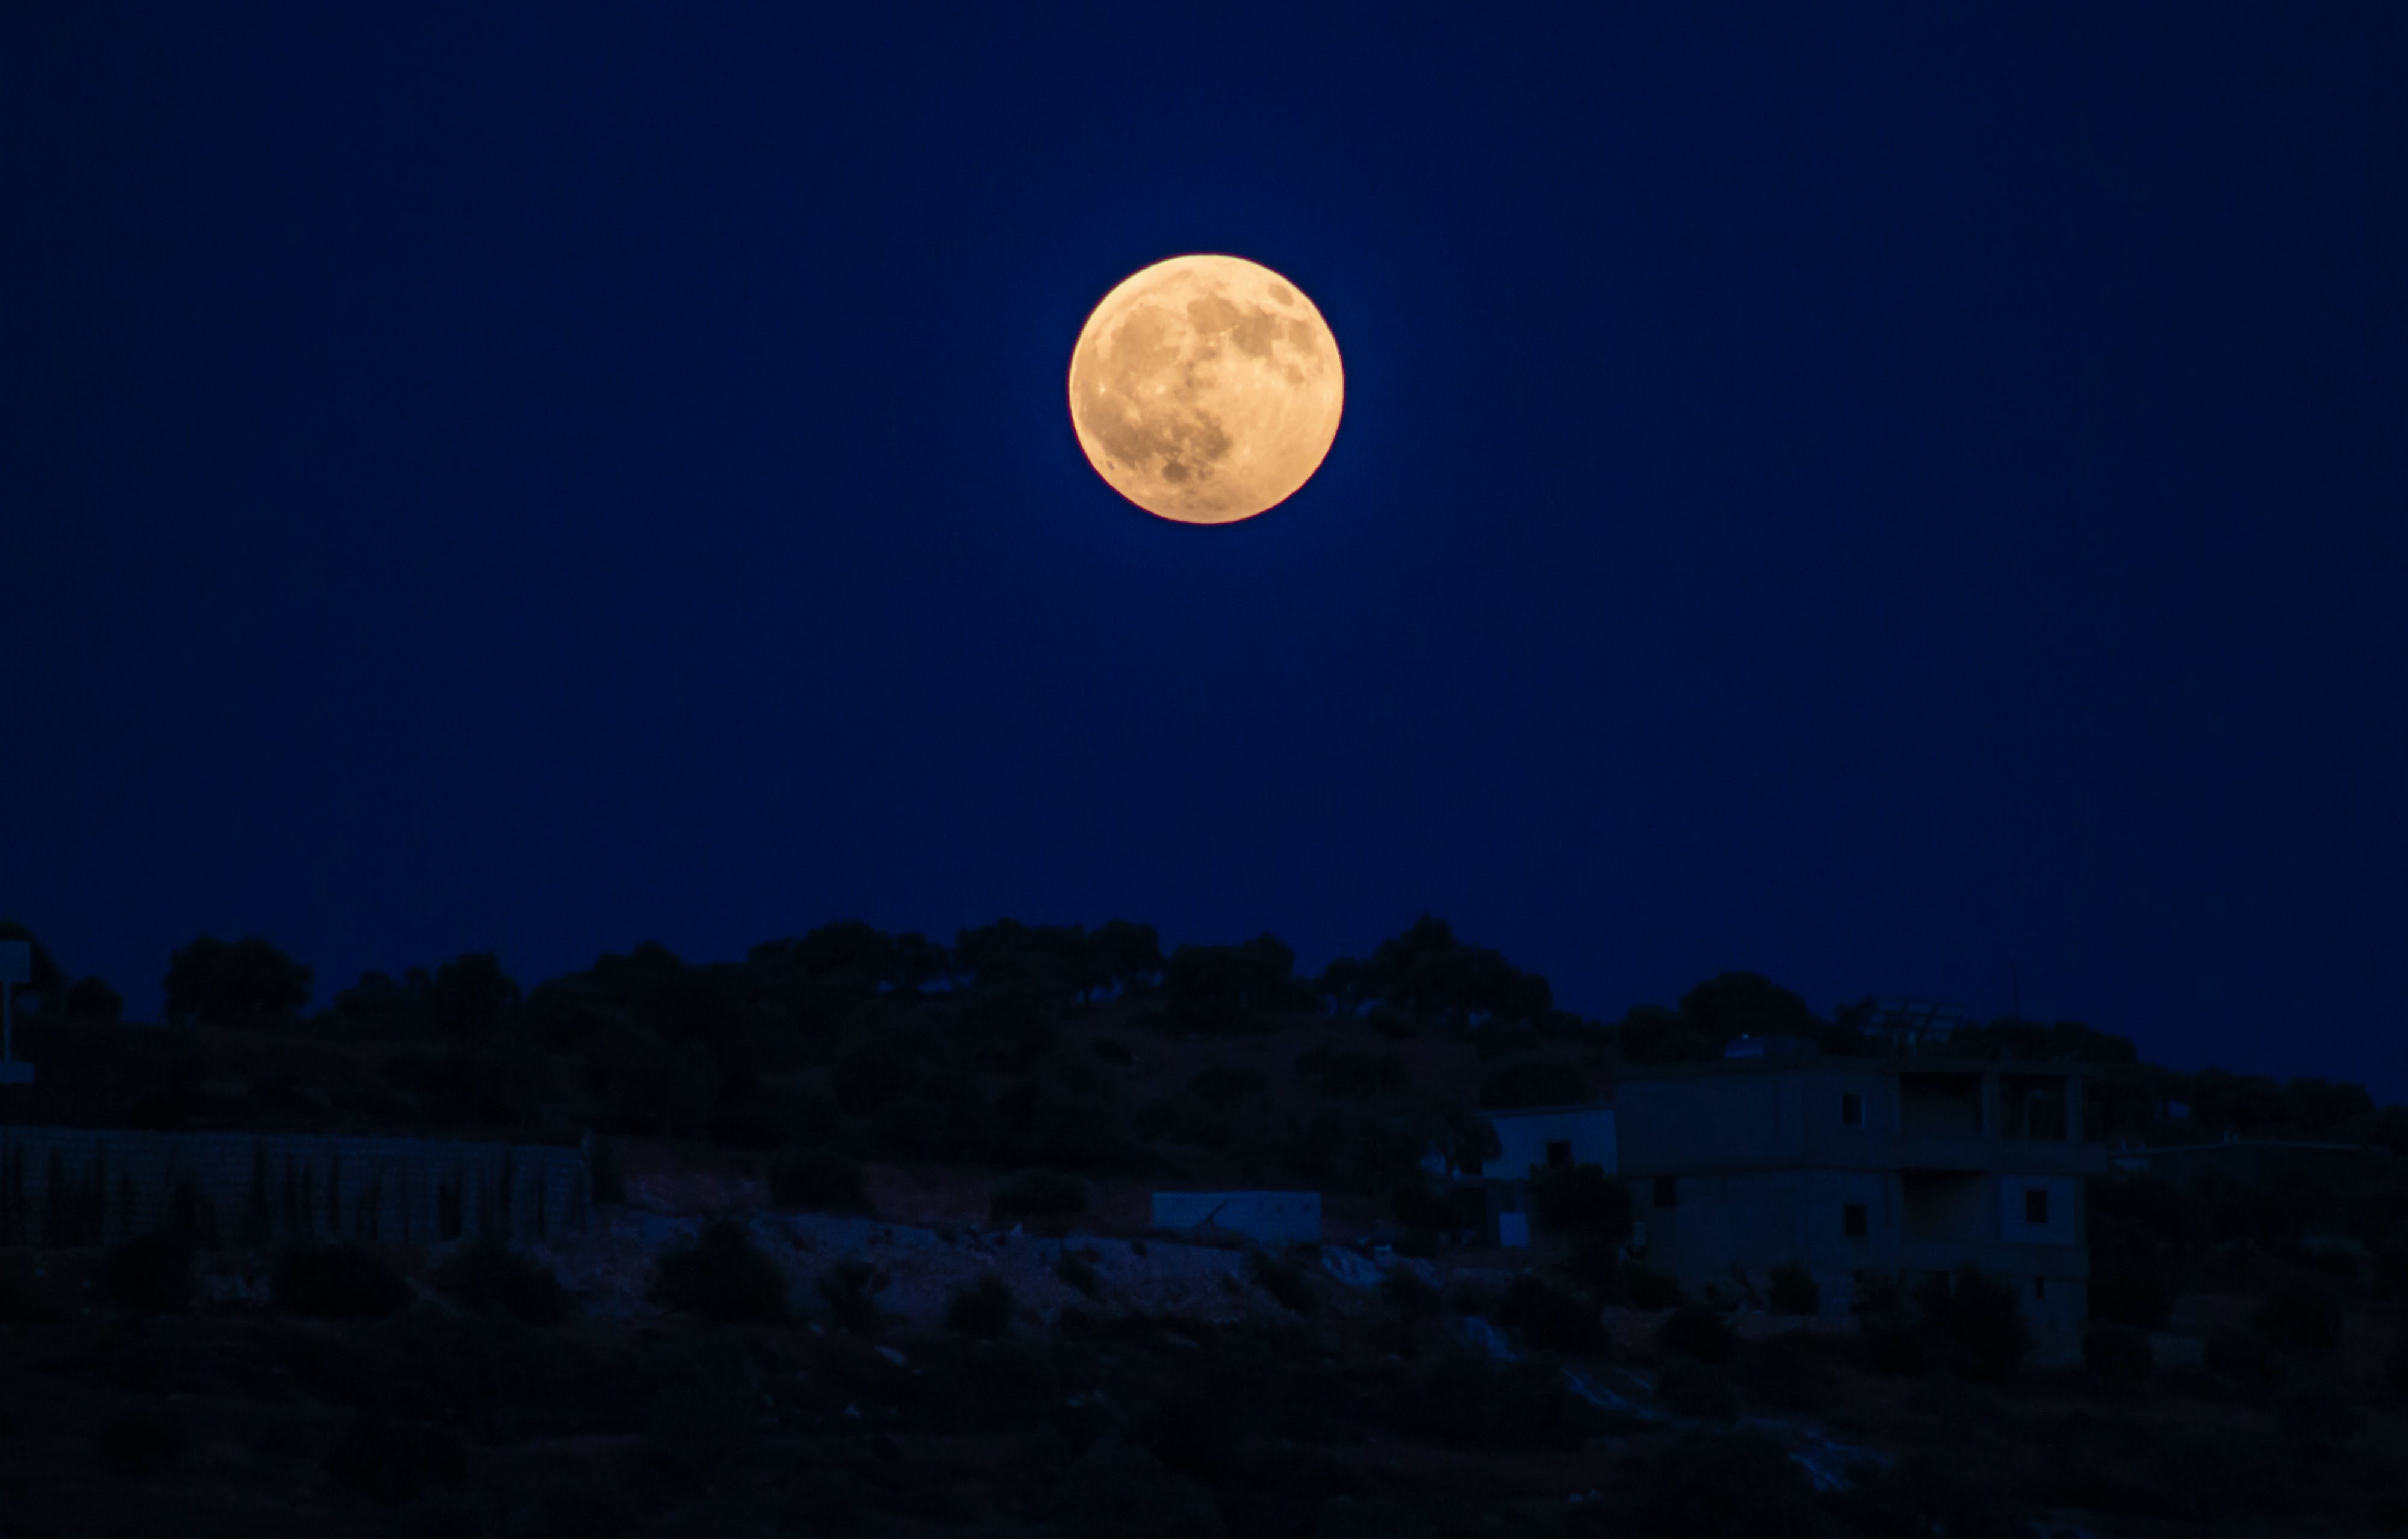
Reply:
x=1871, y=495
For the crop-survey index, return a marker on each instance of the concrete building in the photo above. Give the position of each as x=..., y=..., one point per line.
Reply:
x=1852, y=1167
x=1492, y=1199
x=1536, y=1139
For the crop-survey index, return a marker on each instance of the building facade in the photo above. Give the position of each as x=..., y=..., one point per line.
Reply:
x=1852, y=1167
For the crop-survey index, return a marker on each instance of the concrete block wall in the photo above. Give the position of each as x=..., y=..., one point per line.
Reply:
x=90, y=1186
x=1274, y=1218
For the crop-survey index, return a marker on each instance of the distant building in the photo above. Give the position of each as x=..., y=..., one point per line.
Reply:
x=1494, y=1196
x=1852, y=1167
x=2313, y=1177
x=2245, y=1160
x=1536, y=1139
x=1274, y=1218
x=1914, y=1025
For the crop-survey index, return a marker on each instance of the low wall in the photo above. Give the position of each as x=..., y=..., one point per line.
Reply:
x=93, y=1187
x=1275, y=1219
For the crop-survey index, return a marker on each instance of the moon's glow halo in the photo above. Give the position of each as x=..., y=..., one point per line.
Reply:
x=1206, y=389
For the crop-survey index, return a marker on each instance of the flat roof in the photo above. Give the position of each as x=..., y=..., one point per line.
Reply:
x=1877, y=1063
x=1553, y=1107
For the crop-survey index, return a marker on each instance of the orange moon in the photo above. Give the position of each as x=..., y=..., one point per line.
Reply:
x=1206, y=389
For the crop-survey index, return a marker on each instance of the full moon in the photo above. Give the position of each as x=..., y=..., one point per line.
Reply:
x=1206, y=389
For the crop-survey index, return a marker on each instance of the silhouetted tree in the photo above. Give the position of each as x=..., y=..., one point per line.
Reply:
x=472, y=999
x=247, y=983
x=91, y=999
x=380, y=1006
x=1733, y=1005
x=1131, y=955
x=1221, y=988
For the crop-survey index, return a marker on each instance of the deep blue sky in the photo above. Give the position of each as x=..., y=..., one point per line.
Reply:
x=1860, y=494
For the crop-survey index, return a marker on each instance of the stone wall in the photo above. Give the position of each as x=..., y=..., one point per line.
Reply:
x=96, y=1186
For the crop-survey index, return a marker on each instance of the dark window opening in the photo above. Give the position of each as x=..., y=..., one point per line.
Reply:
x=1559, y=1154
x=1852, y=1221
x=2040, y=1288
x=1664, y=1192
x=1852, y=1110
x=2035, y=1205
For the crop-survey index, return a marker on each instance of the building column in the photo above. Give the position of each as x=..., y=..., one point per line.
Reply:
x=1990, y=1126
x=2073, y=1109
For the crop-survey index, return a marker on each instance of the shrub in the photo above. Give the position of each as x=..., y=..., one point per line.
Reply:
x=1582, y=1199
x=1649, y=1289
x=1794, y=1291
x=394, y=1461
x=1727, y=1481
x=982, y=1309
x=1550, y=1320
x=818, y=1179
x=1287, y=1278
x=1700, y=1333
x=1691, y=1391
x=2395, y=1367
x=722, y=1277
x=1038, y=1194
x=2241, y=1359
x=2119, y=1355
x=151, y=1274
x=1078, y=1270
x=1980, y=1320
x=2300, y=1315
x=1469, y=1296
x=486, y=1275
x=1408, y=1293
x=1418, y=1207
x=139, y=1442
x=608, y=1171
x=337, y=1282
x=2127, y=1283
x=850, y=1289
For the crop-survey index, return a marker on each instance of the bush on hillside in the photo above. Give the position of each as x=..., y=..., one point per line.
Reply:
x=850, y=1289
x=338, y=1281
x=1700, y=1333
x=2120, y=1354
x=151, y=1274
x=486, y=1275
x=1550, y=1320
x=1040, y=1197
x=1645, y=1288
x=981, y=1309
x=1289, y=1278
x=722, y=1276
x=1582, y=1200
x=1794, y=1291
x=1078, y=1270
x=140, y=1442
x=1981, y=1322
x=1408, y=1293
x=2300, y=1315
x=391, y=1463
x=822, y=1179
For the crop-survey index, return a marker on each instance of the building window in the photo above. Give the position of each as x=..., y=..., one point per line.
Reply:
x=2035, y=1205
x=1852, y=1221
x=2040, y=1288
x=1559, y=1154
x=1664, y=1193
x=1852, y=1110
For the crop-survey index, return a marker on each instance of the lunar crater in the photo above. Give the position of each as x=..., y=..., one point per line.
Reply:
x=1194, y=400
